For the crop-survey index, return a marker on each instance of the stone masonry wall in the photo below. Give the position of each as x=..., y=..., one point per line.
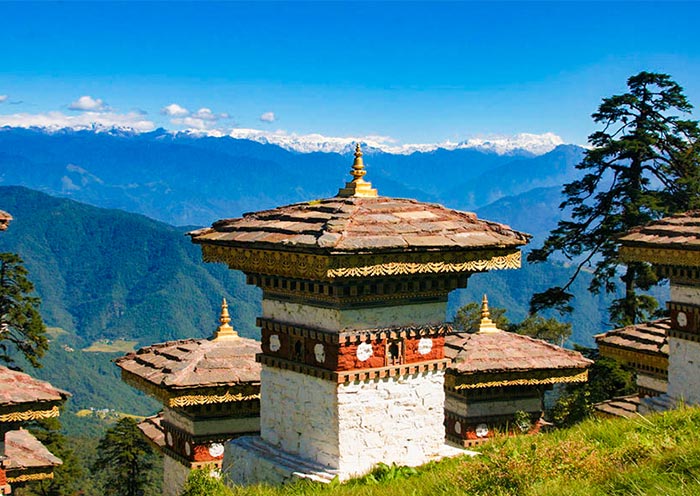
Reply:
x=684, y=370
x=174, y=476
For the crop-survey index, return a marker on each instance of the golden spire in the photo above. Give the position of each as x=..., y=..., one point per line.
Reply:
x=486, y=324
x=358, y=186
x=224, y=331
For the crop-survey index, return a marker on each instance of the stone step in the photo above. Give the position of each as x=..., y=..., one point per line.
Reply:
x=298, y=467
x=657, y=404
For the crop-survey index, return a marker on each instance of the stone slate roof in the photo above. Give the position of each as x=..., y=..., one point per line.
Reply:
x=18, y=388
x=152, y=429
x=648, y=337
x=194, y=363
x=5, y=219
x=677, y=231
x=623, y=406
x=507, y=352
x=361, y=225
x=26, y=452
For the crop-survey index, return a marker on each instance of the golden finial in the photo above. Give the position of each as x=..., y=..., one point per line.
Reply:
x=224, y=331
x=358, y=186
x=486, y=324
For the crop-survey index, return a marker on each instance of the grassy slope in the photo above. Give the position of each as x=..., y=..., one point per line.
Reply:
x=655, y=455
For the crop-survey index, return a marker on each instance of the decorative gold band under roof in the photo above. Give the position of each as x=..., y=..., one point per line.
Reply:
x=358, y=186
x=486, y=325
x=224, y=331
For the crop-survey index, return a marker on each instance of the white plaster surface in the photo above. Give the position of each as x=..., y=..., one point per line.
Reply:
x=684, y=370
x=174, y=476
x=685, y=294
x=203, y=427
x=364, y=318
x=352, y=427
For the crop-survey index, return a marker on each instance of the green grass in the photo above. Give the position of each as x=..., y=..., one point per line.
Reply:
x=640, y=456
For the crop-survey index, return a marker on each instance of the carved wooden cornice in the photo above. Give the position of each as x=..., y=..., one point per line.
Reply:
x=336, y=266
x=36, y=476
x=28, y=415
x=476, y=381
x=660, y=256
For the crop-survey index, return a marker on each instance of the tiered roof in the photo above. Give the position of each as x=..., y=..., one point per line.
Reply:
x=649, y=338
x=196, y=371
x=494, y=358
x=22, y=397
x=5, y=219
x=28, y=459
x=673, y=240
x=623, y=406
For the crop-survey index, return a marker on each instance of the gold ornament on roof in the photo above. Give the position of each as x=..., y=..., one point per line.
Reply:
x=486, y=325
x=358, y=186
x=224, y=331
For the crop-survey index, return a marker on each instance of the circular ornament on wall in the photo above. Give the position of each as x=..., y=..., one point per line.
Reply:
x=682, y=319
x=188, y=448
x=364, y=351
x=275, y=344
x=169, y=439
x=216, y=450
x=458, y=427
x=425, y=345
x=320, y=353
x=482, y=430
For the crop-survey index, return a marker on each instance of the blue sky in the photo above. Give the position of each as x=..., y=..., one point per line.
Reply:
x=416, y=72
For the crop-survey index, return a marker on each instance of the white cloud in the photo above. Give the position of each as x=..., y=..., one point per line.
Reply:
x=89, y=104
x=3, y=98
x=86, y=120
x=174, y=110
x=268, y=117
x=201, y=120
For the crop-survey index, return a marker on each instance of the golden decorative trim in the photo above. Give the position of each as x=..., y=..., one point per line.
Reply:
x=660, y=256
x=208, y=399
x=496, y=262
x=582, y=377
x=328, y=267
x=28, y=415
x=38, y=476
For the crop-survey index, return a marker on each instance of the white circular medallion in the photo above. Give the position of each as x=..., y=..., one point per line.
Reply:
x=482, y=430
x=364, y=351
x=188, y=448
x=275, y=342
x=458, y=428
x=216, y=449
x=320, y=353
x=169, y=439
x=682, y=319
x=425, y=345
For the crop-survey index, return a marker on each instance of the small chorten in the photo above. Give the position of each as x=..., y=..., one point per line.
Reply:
x=210, y=390
x=486, y=324
x=358, y=186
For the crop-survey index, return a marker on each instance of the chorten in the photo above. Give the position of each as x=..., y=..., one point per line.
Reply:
x=210, y=390
x=495, y=374
x=354, y=301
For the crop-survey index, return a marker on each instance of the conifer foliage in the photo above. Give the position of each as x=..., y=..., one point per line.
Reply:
x=21, y=326
x=642, y=165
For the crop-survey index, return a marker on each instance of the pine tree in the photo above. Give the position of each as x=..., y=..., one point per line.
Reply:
x=21, y=326
x=124, y=461
x=642, y=165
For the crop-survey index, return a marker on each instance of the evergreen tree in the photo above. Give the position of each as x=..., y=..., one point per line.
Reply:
x=21, y=326
x=124, y=461
x=642, y=165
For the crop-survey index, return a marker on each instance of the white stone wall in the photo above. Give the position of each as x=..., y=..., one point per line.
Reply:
x=363, y=318
x=685, y=294
x=684, y=370
x=394, y=420
x=352, y=427
x=174, y=476
x=299, y=414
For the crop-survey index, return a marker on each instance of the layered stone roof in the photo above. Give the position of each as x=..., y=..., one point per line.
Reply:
x=507, y=352
x=18, y=388
x=677, y=231
x=5, y=219
x=648, y=338
x=361, y=224
x=26, y=453
x=152, y=428
x=623, y=406
x=195, y=363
